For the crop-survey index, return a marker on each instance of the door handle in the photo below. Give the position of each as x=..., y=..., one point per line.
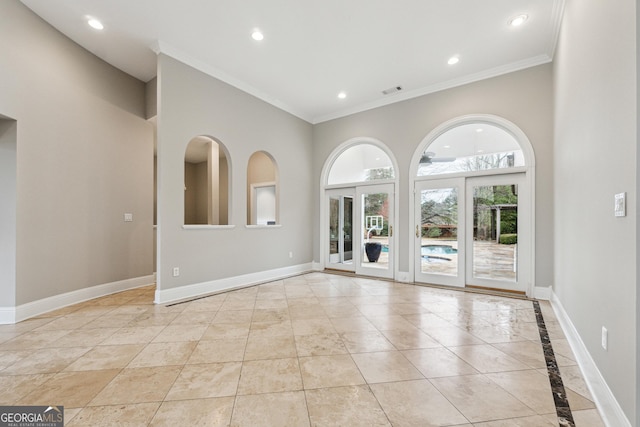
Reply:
x=391, y=231
x=417, y=231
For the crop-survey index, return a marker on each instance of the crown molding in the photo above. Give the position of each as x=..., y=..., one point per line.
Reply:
x=556, y=23
x=160, y=47
x=482, y=75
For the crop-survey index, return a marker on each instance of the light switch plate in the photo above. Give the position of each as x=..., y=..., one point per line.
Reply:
x=621, y=204
x=128, y=217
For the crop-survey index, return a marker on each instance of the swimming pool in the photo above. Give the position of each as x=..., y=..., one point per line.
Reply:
x=428, y=250
x=438, y=250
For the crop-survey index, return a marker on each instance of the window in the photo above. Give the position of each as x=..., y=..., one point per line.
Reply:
x=262, y=190
x=471, y=147
x=362, y=162
x=206, y=182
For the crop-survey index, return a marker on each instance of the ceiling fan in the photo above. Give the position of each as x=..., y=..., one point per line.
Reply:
x=429, y=157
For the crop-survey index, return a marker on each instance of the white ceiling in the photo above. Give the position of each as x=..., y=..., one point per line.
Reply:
x=312, y=50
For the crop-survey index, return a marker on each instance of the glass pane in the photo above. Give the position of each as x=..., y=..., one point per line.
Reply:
x=376, y=230
x=340, y=229
x=347, y=230
x=364, y=162
x=471, y=147
x=439, y=221
x=495, y=232
x=334, y=211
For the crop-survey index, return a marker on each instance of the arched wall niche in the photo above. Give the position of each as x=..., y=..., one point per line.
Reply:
x=206, y=182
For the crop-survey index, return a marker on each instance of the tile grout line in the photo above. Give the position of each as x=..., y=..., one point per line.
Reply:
x=563, y=410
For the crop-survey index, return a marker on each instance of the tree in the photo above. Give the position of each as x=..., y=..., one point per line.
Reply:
x=485, y=197
x=439, y=207
x=489, y=161
x=379, y=173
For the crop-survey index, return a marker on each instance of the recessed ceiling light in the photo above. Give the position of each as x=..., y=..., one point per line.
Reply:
x=342, y=95
x=447, y=146
x=453, y=60
x=257, y=35
x=516, y=21
x=479, y=130
x=94, y=23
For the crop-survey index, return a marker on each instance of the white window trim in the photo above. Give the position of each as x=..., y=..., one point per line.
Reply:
x=324, y=177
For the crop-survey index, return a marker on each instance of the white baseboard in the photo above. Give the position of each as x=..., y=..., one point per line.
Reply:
x=227, y=284
x=316, y=266
x=404, y=277
x=542, y=292
x=22, y=312
x=7, y=315
x=609, y=408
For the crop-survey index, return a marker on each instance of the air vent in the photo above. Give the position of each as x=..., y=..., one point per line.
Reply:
x=392, y=90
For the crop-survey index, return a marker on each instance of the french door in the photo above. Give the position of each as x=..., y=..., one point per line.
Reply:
x=474, y=232
x=440, y=231
x=374, y=203
x=360, y=231
x=498, y=243
x=340, y=233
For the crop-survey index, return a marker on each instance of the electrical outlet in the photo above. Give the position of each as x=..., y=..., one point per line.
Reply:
x=128, y=217
x=290, y=254
x=176, y=271
x=605, y=338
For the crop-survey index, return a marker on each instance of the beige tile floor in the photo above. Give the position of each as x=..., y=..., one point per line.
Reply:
x=312, y=350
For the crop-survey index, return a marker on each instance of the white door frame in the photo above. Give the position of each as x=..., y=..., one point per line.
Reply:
x=524, y=239
x=359, y=226
x=459, y=279
x=341, y=193
x=528, y=169
x=323, y=185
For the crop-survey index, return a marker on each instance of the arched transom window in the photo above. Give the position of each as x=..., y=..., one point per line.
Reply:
x=359, y=163
x=471, y=147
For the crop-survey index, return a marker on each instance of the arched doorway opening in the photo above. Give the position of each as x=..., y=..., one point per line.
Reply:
x=473, y=191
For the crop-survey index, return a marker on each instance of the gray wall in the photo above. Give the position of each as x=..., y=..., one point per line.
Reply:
x=192, y=103
x=637, y=324
x=85, y=157
x=522, y=97
x=595, y=158
x=8, y=229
